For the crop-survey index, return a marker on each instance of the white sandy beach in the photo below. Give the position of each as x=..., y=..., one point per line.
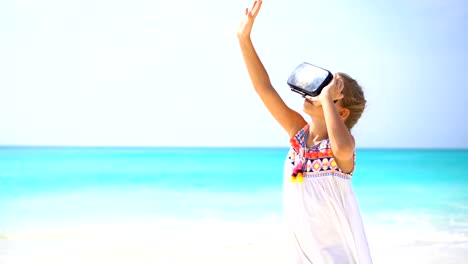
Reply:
x=208, y=242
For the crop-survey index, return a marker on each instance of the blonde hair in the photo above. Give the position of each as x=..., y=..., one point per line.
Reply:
x=353, y=99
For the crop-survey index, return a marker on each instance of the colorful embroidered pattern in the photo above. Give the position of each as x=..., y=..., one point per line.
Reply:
x=313, y=161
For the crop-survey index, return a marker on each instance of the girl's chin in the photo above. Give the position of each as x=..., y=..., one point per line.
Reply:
x=312, y=109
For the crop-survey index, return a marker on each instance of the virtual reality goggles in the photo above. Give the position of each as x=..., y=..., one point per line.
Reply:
x=308, y=80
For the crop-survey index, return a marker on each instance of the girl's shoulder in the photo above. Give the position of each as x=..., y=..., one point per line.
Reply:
x=298, y=140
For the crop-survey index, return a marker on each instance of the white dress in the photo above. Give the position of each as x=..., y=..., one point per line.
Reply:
x=321, y=210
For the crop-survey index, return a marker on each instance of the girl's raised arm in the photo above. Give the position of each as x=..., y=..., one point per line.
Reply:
x=289, y=119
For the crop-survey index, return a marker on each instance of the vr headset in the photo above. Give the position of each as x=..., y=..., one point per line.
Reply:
x=308, y=80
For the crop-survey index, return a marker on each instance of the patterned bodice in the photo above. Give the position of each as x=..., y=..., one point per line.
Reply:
x=314, y=161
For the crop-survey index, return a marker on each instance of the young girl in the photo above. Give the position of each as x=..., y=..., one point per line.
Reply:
x=321, y=210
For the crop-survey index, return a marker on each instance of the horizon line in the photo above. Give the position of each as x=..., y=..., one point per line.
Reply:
x=215, y=147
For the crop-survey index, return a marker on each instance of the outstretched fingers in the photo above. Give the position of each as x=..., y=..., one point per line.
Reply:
x=339, y=86
x=256, y=8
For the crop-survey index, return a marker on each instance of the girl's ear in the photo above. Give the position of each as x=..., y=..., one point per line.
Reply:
x=344, y=113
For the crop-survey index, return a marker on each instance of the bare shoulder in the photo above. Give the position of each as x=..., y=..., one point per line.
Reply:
x=298, y=123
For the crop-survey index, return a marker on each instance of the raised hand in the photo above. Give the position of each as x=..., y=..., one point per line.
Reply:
x=333, y=91
x=245, y=27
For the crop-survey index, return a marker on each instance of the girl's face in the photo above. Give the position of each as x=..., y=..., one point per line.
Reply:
x=314, y=108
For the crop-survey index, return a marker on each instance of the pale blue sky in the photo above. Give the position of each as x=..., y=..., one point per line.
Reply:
x=170, y=73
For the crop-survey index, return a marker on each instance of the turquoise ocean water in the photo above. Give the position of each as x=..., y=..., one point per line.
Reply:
x=48, y=187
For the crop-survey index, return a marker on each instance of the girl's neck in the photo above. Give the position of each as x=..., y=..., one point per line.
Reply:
x=317, y=132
